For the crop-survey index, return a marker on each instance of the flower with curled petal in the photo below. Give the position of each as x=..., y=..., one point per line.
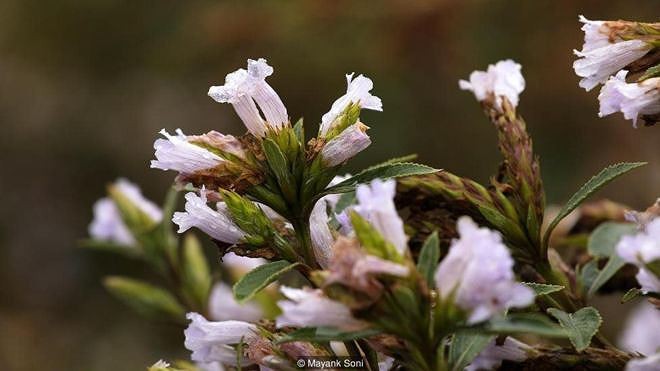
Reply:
x=502, y=79
x=310, y=308
x=631, y=99
x=358, y=92
x=177, y=153
x=214, y=341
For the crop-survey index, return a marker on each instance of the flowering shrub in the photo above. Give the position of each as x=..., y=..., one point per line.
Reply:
x=435, y=272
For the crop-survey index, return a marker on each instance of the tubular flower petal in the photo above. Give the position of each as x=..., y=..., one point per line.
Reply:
x=641, y=249
x=346, y=145
x=214, y=341
x=357, y=92
x=217, y=224
x=309, y=308
x=178, y=154
x=479, y=256
x=632, y=100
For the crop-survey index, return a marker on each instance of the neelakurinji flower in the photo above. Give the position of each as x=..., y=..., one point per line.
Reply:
x=492, y=356
x=640, y=333
x=358, y=92
x=641, y=249
x=215, y=341
x=321, y=235
x=177, y=153
x=311, y=308
x=478, y=274
x=247, y=89
x=215, y=223
x=108, y=225
x=224, y=307
x=604, y=52
x=346, y=145
x=375, y=203
x=502, y=79
x=632, y=99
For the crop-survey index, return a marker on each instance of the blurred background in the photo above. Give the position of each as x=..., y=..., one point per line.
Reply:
x=85, y=86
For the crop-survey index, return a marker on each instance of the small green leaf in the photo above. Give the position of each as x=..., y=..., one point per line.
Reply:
x=299, y=130
x=372, y=241
x=543, y=289
x=631, y=294
x=587, y=274
x=279, y=166
x=581, y=326
x=428, y=258
x=249, y=217
x=325, y=334
x=196, y=274
x=145, y=298
x=524, y=323
x=594, y=184
x=260, y=277
x=383, y=171
x=602, y=244
x=464, y=348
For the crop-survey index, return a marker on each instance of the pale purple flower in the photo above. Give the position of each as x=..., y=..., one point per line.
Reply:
x=215, y=341
x=603, y=55
x=502, y=79
x=247, y=89
x=640, y=333
x=178, y=154
x=108, y=225
x=375, y=203
x=216, y=223
x=223, y=306
x=632, y=99
x=650, y=363
x=310, y=308
x=357, y=92
x=492, y=356
x=476, y=258
x=241, y=263
x=346, y=145
x=641, y=249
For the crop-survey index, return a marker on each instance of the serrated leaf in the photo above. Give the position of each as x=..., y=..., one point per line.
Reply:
x=464, y=348
x=260, y=277
x=383, y=171
x=144, y=297
x=580, y=326
x=631, y=294
x=524, y=323
x=543, y=289
x=325, y=334
x=428, y=258
x=590, y=187
x=196, y=273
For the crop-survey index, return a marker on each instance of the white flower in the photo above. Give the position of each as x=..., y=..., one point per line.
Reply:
x=108, y=225
x=640, y=332
x=241, y=263
x=650, y=363
x=476, y=258
x=223, y=306
x=357, y=92
x=217, y=224
x=178, y=154
x=245, y=89
x=376, y=205
x=604, y=54
x=492, y=356
x=309, y=308
x=632, y=100
x=160, y=365
x=503, y=79
x=641, y=249
x=346, y=145
x=214, y=341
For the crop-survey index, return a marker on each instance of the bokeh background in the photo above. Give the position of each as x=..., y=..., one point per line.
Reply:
x=86, y=85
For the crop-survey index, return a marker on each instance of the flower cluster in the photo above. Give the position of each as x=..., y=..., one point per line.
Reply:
x=609, y=51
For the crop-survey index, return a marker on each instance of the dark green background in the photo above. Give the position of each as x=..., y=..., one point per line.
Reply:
x=86, y=85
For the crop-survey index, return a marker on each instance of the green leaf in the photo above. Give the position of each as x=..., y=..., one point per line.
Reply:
x=543, y=289
x=581, y=326
x=144, y=297
x=383, y=171
x=249, y=217
x=406, y=158
x=525, y=323
x=428, y=258
x=279, y=166
x=196, y=273
x=587, y=274
x=464, y=348
x=299, y=130
x=594, y=184
x=260, y=277
x=325, y=334
x=602, y=244
x=631, y=294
